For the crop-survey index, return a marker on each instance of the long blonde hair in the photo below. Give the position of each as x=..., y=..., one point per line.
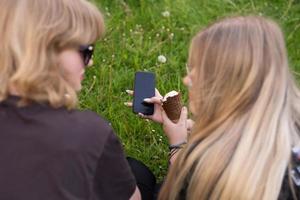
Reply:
x=33, y=32
x=247, y=111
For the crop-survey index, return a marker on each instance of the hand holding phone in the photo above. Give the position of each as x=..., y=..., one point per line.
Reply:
x=144, y=87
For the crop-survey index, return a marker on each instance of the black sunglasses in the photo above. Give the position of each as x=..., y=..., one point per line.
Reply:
x=86, y=52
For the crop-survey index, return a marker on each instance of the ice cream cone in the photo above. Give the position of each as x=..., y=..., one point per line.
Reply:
x=172, y=105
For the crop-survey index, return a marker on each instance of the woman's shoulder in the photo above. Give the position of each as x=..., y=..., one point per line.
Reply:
x=47, y=114
x=89, y=119
x=87, y=122
x=77, y=126
x=61, y=128
x=82, y=129
x=88, y=127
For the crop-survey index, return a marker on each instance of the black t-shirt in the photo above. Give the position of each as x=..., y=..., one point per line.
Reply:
x=56, y=154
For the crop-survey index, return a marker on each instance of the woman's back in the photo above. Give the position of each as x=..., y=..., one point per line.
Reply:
x=48, y=153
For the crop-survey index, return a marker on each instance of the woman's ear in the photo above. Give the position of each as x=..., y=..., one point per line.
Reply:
x=187, y=81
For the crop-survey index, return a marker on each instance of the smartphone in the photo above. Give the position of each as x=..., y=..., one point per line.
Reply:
x=144, y=87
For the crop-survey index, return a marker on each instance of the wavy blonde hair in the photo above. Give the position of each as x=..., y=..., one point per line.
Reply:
x=33, y=32
x=247, y=112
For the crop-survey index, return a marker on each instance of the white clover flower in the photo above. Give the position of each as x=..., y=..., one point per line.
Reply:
x=172, y=35
x=162, y=59
x=165, y=14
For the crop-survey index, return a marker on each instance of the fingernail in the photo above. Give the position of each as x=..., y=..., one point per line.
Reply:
x=147, y=100
x=128, y=91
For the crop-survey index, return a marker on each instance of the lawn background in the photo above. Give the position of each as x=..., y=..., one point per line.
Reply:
x=137, y=33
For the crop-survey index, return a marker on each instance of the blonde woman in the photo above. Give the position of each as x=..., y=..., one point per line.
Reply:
x=246, y=110
x=48, y=149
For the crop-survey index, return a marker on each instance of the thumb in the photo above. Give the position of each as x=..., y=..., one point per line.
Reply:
x=183, y=115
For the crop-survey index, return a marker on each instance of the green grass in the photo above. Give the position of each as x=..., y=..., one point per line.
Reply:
x=137, y=33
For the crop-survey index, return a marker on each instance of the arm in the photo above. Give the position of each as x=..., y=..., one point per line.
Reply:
x=176, y=133
x=114, y=178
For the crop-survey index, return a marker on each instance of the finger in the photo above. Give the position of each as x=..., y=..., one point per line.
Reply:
x=157, y=93
x=183, y=115
x=141, y=115
x=130, y=92
x=156, y=100
x=146, y=117
x=129, y=104
x=91, y=63
x=165, y=117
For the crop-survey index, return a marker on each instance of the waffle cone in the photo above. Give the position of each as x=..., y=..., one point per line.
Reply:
x=172, y=106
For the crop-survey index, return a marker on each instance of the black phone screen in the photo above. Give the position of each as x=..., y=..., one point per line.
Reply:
x=144, y=87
